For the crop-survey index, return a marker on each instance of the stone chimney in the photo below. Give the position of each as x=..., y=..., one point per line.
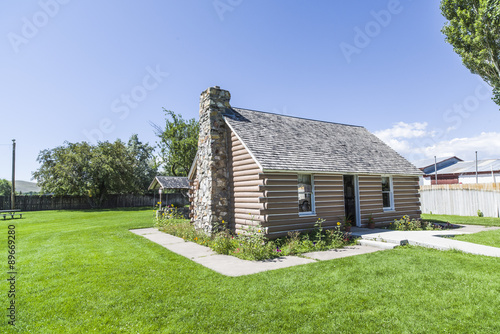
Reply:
x=211, y=199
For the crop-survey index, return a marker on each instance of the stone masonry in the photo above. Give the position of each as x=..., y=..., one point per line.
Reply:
x=211, y=196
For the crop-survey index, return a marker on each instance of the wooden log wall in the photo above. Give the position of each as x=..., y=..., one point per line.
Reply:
x=281, y=204
x=406, y=198
x=245, y=188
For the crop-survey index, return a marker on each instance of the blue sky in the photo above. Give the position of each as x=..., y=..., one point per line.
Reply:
x=87, y=70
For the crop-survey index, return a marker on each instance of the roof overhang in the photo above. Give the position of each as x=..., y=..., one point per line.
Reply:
x=334, y=173
x=154, y=185
x=192, y=170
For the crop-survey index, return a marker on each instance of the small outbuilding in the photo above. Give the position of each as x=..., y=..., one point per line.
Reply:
x=283, y=172
x=173, y=189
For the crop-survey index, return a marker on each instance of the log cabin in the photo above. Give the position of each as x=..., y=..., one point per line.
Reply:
x=282, y=173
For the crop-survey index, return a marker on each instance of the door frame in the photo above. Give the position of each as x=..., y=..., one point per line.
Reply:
x=357, y=205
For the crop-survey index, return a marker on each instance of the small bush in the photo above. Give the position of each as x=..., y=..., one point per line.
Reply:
x=223, y=243
x=407, y=224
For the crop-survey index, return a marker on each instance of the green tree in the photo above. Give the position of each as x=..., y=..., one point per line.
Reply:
x=94, y=171
x=145, y=165
x=5, y=187
x=178, y=143
x=473, y=29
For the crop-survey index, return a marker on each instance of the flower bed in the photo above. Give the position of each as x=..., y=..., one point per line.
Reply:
x=407, y=224
x=253, y=245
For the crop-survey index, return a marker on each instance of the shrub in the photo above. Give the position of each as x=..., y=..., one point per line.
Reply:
x=223, y=242
x=407, y=224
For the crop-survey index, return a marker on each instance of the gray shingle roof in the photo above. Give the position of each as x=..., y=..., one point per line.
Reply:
x=281, y=142
x=170, y=182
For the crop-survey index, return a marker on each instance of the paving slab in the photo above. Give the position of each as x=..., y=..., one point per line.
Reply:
x=377, y=244
x=341, y=252
x=157, y=236
x=233, y=266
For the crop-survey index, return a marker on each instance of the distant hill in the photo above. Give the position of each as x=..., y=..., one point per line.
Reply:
x=26, y=186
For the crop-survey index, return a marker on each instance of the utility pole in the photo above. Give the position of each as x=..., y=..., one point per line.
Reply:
x=13, y=190
x=477, y=179
x=435, y=170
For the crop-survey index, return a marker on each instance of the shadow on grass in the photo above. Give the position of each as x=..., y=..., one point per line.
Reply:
x=141, y=208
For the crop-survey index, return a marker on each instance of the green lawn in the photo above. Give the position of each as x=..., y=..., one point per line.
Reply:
x=470, y=220
x=487, y=238
x=83, y=271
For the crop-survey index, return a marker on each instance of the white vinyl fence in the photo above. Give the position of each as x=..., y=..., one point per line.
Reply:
x=461, y=199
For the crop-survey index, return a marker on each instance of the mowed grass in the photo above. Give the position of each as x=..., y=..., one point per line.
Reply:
x=83, y=271
x=487, y=238
x=470, y=220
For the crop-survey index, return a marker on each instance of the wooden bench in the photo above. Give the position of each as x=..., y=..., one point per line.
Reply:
x=11, y=213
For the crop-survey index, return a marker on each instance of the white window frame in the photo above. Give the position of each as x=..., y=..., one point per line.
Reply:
x=390, y=192
x=313, y=200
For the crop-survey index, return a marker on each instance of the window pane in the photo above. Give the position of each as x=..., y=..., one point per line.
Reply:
x=386, y=185
x=305, y=202
x=305, y=179
x=305, y=193
x=386, y=199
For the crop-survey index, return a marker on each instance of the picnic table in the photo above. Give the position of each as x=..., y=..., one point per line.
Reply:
x=11, y=213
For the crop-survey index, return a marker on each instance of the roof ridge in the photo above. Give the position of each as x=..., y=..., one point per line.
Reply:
x=303, y=118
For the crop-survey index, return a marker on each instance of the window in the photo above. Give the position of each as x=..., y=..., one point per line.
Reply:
x=387, y=196
x=306, y=194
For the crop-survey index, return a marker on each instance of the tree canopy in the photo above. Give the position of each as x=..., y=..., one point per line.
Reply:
x=96, y=170
x=5, y=187
x=473, y=29
x=178, y=143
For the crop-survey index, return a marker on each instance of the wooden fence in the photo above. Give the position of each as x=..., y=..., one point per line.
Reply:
x=461, y=199
x=49, y=202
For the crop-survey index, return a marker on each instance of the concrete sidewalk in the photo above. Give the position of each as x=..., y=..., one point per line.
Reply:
x=233, y=266
x=372, y=240
x=438, y=239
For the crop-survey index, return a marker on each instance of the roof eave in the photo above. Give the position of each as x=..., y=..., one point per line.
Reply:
x=337, y=173
x=243, y=143
x=153, y=184
x=191, y=175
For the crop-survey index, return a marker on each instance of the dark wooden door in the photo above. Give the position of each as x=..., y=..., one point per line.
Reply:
x=350, y=198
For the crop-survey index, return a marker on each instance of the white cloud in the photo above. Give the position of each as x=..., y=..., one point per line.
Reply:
x=487, y=144
x=404, y=130
x=415, y=142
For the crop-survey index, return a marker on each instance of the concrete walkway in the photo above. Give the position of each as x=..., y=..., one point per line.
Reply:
x=438, y=239
x=372, y=240
x=233, y=266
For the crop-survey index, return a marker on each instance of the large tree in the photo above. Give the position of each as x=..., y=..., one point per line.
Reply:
x=178, y=143
x=5, y=187
x=145, y=165
x=95, y=170
x=473, y=29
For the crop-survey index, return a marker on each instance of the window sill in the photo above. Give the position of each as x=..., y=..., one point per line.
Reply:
x=389, y=209
x=307, y=214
